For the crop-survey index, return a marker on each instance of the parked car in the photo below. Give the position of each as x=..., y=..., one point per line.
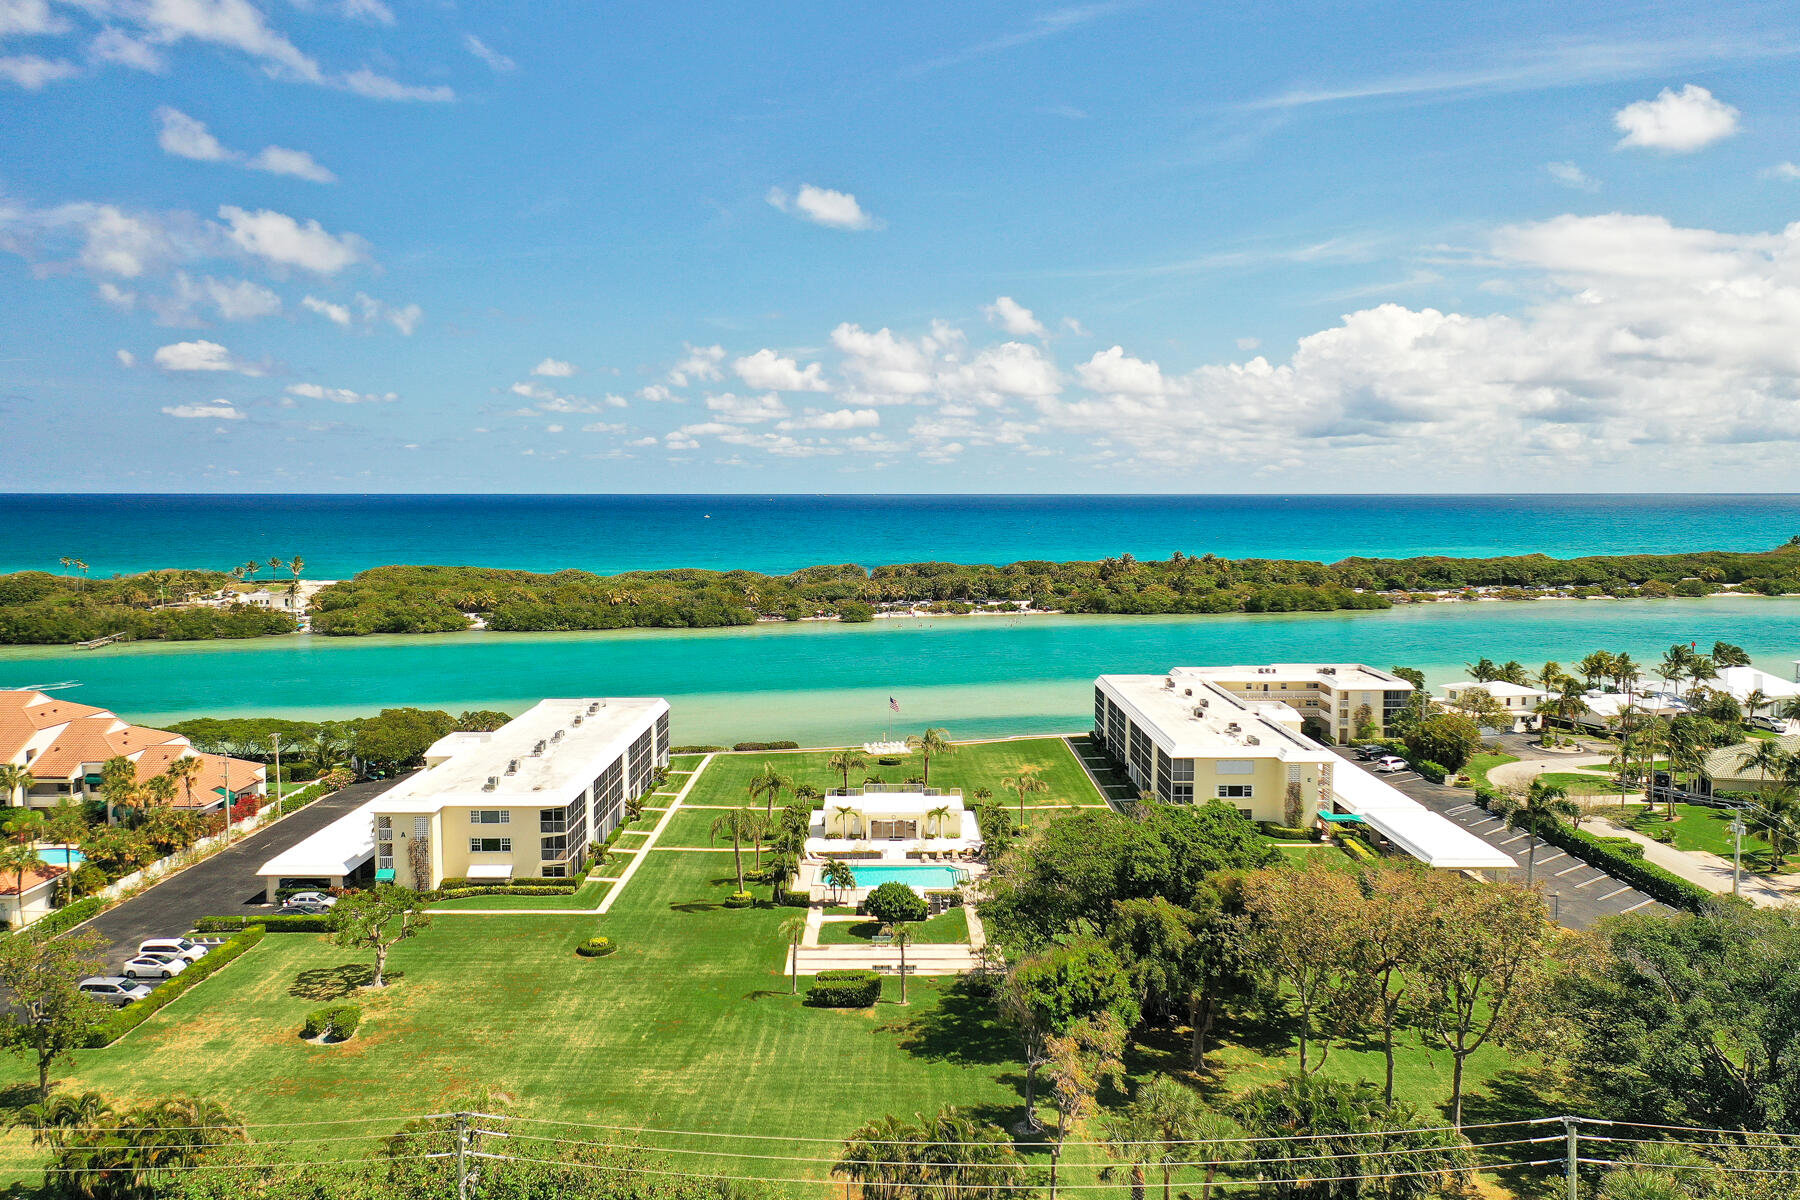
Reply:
x=325, y=898
x=1391, y=765
x=155, y=966
x=186, y=948
x=1369, y=753
x=113, y=990
x=308, y=908
x=1765, y=722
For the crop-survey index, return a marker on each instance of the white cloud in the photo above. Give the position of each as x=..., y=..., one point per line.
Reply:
x=1248, y=343
x=33, y=72
x=1011, y=369
x=279, y=160
x=1570, y=175
x=201, y=356
x=1679, y=122
x=117, y=296
x=604, y=427
x=126, y=358
x=236, y=24
x=843, y=418
x=1115, y=372
x=656, y=393
x=337, y=314
x=281, y=240
x=554, y=368
x=747, y=409
x=115, y=46
x=313, y=391
x=888, y=364
x=379, y=87
x=228, y=299
x=487, y=54
x=29, y=18
x=405, y=318
x=1013, y=317
x=373, y=11
x=769, y=371
x=1784, y=170
x=184, y=137
x=823, y=206
x=220, y=410
x=699, y=364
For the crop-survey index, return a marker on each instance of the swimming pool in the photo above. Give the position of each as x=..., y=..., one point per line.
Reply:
x=61, y=856
x=919, y=878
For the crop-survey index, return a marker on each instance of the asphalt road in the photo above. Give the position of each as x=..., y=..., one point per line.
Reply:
x=225, y=883
x=1578, y=894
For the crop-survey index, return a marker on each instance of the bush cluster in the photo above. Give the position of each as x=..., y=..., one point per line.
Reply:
x=844, y=989
x=334, y=1022
x=740, y=900
x=1607, y=855
x=767, y=746
x=596, y=947
x=66, y=917
x=695, y=749
x=274, y=923
x=1430, y=770
x=124, y=1020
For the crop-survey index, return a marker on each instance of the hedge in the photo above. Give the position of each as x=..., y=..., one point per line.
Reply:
x=793, y=899
x=460, y=892
x=124, y=1020
x=696, y=749
x=1285, y=833
x=596, y=947
x=569, y=882
x=766, y=746
x=1357, y=849
x=334, y=1022
x=844, y=989
x=740, y=900
x=66, y=917
x=276, y=923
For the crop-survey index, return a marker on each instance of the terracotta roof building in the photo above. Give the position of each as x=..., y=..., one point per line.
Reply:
x=64, y=744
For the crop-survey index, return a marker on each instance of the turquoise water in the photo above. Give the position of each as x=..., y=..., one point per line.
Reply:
x=918, y=878
x=339, y=535
x=824, y=683
x=61, y=856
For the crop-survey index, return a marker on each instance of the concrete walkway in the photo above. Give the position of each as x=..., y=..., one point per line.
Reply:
x=1696, y=866
x=1527, y=769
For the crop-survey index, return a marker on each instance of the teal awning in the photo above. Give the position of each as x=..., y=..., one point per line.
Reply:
x=93, y=780
x=1342, y=818
x=385, y=875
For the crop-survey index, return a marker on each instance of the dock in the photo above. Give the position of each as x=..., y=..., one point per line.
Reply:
x=98, y=642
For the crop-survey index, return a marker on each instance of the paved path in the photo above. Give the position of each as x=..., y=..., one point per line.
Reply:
x=225, y=883
x=1528, y=769
x=1696, y=866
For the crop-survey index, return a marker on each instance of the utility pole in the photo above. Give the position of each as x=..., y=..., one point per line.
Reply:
x=276, y=739
x=1055, y=1154
x=1737, y=850
x=1571, y=1153
x=226, y=759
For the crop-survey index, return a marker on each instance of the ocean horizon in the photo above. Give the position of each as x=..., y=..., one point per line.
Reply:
x=339, y=534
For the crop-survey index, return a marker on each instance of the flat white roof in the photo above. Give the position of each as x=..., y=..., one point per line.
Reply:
x=337, y=849
x=1497, y=688
x=898, y=803
x=1741, y=681
x=1339, y=675
x=1434, y=840
x=1193, y=717
x=579, y=739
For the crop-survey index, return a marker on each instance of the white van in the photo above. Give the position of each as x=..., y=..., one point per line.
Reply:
x=183, y=948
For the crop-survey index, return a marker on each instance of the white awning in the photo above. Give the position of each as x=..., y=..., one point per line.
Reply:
x=490, y=871
x=1433, y=840
x=338, y=849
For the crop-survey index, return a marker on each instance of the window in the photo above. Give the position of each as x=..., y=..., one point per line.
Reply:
x=555, y=872
x=1236, y=791
x=1245, y=813
x=490, y=845
x=490, y=816
x=1234, y=766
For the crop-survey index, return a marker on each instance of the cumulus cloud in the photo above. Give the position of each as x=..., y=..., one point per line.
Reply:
x=1116, y=372
x=823, y=206
x=34, y=72
x=201, y=356
x=379, y=87
x=218, y=410
x=747, y=409
x=554, y=368
x=769, y=371
x=699, y=364
x=281, y=240
x=1572, y=176
x=1013, y=317
x=29, y=18
x=495, y=60
x=189, y=300
x=337, y=314
x=184, y=137
x=1678, y=122
x=313, y=391
x=843, y=418
x=126, y=358
x=115, y=46
x=279, y=160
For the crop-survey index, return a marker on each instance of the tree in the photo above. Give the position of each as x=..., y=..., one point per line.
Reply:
x=838, y=875
x=1165, y=1125
x=105, y=1154
x=1444, y=738
x=1081, y=1062
x=1534, y=808
x=1044, y=995
x=1323, y=1148
x=929, y=743
x=938, y=816
x=15, y=780
x=378, y=919
x=1386, y=947
x=1302, y=935
x=185, y=771
x=396, y=739
x=1484, y=956
x=792, y=930
x=949, y=1157
x=1725, y=654
x=1550, y=677
x=894, y=902
x=1025, y=783
x=1478, y=704
x=1485, y=670
x=738, y=824
x=768, y=783
x=118, y=784
x=1595, y=667
x=902, y=936
x=47, y=1017
x=16, y=858
x=482, y=720
x=846, y=761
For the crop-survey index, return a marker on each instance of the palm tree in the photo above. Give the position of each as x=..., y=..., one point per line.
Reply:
x=761, y=826
x=807, y=794
x=118, y=784
x=1595, y=667
x=1776, y=818
x=1025, y=783
x=1768, y=758
x=845, y=812
x=838, y=875
x=940, y=814
x=295, y=565
x=932, y=741
x=792, y=930
x=738, y=823
x=903, y=937
x=184, y=771
x=1674, y=664
x=846, y=761
x=52, y=1118
x=982, y=794
x=15, y=780
x=770, y=783
x=159, y=791
x=327, y=747
x=1167, y=1124
x=16, y=858
x=1540, y=804
x=1625, y=670
x=1550, y=676
x=1483, y=670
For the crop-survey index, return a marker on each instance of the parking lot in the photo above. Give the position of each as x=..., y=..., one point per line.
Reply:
x=1578, y=894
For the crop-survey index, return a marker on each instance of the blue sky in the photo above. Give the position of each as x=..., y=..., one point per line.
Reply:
x=373, y=245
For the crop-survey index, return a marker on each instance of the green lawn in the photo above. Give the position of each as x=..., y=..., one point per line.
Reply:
x=980, y=764
x=947, y=928
x=691, y=827
x=1478, y=767
x=1581, y=783
x=683, y=763
x=1696, y=827
x=587, y=896
x=1331, y=855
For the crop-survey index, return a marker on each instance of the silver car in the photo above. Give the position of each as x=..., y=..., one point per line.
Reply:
x=1391, y=765
x=155, y=966
x=183, y=948
x=110, y=989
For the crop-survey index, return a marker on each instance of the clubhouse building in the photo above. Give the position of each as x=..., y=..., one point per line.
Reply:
x=524, y=801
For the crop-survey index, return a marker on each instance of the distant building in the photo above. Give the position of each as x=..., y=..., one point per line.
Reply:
x=64, y=745
x=1519, y=701
x=1727, y=769
x=1330, y=698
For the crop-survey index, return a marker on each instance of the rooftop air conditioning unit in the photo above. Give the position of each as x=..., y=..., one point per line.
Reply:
x=576, y=723
x=512, y=766
x=1234, y=727
x=539, y=748
x=1328, y=670
x=1199, y=711
x=1168, y=681
x=492, y=783
x=593, y=708
x=1187, y=691
x=1253, y=740
x=557, y=736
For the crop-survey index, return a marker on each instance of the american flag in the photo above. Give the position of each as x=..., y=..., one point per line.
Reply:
x=893, y=704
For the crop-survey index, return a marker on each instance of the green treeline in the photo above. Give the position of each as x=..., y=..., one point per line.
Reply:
x=38, y=608
x=42, y=608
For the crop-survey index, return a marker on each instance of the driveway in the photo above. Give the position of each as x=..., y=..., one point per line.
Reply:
x=225, y=883
x=1578, y=894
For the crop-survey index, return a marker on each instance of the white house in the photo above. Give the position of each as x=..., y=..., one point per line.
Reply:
x=1519, y=701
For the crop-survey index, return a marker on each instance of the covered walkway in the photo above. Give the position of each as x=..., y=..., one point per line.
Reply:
x=1428, y=837
x=333, y=854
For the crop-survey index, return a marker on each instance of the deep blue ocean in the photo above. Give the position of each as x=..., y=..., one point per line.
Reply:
x=340, y=534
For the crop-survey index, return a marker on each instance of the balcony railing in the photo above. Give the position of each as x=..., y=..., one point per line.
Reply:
x=910, y=789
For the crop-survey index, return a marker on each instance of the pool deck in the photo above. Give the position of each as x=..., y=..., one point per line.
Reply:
x=809, y=958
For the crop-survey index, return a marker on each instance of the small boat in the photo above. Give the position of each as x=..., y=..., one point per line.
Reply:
x=48, y=687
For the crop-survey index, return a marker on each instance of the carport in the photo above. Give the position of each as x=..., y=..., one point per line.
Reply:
x=1428, y=837
x=332, y=855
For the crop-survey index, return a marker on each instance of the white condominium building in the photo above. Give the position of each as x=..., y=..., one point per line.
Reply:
x=1333, y=699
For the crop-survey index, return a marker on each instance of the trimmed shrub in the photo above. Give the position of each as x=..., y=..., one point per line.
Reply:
x=66, y=917
x=895, y=901
x=1285, y=833
x=334, y=1022
x=1607, y=855
x=739, y=900
x=596, y=947
x=124, y=1020
x=459, y=893
x=277, y=923
x=1357, y=849
x=1430, y=770
x=767, y=746
x=844, y=989
x=696, y=749
x=793, y=899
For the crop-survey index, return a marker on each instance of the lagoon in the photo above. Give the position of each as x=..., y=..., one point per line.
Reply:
x=826, y=683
